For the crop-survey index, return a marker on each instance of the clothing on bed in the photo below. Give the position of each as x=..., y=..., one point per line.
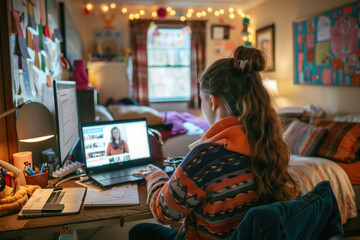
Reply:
x=352, y=170
x=212, y=188
x=177, y=120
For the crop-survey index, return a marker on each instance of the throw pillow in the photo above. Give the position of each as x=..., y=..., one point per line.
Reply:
x=132, y=111
x=342, y=142
x=303, y=139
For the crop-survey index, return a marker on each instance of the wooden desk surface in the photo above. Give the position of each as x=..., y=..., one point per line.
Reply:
x=11, y=226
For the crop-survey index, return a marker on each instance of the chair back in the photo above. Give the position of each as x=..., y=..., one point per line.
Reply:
x=313, y=216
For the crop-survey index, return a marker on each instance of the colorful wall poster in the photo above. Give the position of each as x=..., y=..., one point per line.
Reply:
x=327, y=47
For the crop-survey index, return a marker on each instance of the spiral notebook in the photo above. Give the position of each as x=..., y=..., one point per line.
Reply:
x=124, y=195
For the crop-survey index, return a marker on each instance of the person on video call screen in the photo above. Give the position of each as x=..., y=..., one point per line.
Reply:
x=117, y=145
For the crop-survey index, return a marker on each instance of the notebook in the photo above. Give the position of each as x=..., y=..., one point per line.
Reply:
x=124, y=195
x=114, y=150
x=53, y=202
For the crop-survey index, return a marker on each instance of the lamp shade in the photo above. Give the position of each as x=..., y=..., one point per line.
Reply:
x=271, y=86
x=34, y=123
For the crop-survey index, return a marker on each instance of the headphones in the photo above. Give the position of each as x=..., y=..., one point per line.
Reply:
x=14, y=182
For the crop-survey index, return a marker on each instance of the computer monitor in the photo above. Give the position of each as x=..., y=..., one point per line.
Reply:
x=66, y=115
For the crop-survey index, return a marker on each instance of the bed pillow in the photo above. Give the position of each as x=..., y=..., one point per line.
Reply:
x=342, y=142
x=304, y=139
x=132, y=111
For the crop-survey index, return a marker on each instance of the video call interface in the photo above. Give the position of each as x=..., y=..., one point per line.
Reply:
x=115, y=143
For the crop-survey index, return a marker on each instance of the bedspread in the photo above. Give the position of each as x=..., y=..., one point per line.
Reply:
x=308, y=171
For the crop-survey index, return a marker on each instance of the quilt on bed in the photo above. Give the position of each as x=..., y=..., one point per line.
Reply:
x=308, y=171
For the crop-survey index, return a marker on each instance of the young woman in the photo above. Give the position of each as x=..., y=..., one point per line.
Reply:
x=117, y=145
x=241, y=161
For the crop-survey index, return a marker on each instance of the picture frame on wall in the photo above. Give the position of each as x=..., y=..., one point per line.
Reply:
x=326, y=47
x=220, y=32
x=265, y=41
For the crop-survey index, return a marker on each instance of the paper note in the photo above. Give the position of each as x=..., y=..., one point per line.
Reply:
x=16, y=18
x=310, y=40
x=310, y=55
x=37, y=60
x=27, y=84
x=20, y=7
x=23, y=47
x=41, y=46
x=58, y=35
x=336, y=64
x=42, y=12
x=42, y=62
x=323, y=53
x=300, y=61
x=36, y=43
x=323, y=28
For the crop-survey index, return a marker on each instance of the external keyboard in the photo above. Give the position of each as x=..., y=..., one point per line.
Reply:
x=66, y=169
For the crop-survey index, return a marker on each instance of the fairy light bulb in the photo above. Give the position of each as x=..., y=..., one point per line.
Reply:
x=105, y=8
x=190, y=10
x=172, y=12
x=89, y=6
x=231, y=10
x=142, y=12
x=251, y=38
x=182, y=18
x=221, y=11
x=231, y=15
x=203, y=13
x=250, y=30
x=137, y=16
x=217, y=13
x=131, y=16
x=239, y=11
x=168, y=9
x=113, y=5
x=188, y=15
x=154, y=14
x=245, y=38
x=124, y=10
x=209, y=9
x=198, y=14
x=243, y=15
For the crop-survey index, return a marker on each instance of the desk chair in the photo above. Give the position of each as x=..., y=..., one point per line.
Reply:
x=313, y=216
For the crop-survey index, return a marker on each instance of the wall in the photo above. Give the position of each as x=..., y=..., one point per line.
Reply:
x=282, y=13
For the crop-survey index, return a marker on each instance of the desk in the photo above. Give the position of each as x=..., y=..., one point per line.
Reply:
x=11, y=226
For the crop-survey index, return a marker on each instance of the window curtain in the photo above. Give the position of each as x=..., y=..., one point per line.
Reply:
x=138, y=38
x=198, y=40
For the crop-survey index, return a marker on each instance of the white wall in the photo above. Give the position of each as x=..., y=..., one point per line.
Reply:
x=282, y=13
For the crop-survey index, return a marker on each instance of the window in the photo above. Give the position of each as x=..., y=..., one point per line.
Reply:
x=168, y=51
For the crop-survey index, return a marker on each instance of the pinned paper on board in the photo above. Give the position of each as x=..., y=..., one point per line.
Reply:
x=323, y=29
x=20, y=7
x=27, y=84
x=23, y=47
x=29, y=39
x=323, y=53
x=310, y=40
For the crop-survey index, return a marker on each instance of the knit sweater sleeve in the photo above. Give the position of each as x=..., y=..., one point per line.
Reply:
x=171, y=200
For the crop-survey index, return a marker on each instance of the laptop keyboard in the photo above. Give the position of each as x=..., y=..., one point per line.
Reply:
x=120, y=173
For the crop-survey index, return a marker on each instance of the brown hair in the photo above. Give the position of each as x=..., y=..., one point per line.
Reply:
x=238, y=83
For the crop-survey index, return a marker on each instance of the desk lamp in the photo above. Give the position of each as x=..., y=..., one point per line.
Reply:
x=34, y=123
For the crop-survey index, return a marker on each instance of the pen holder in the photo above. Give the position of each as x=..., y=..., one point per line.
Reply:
x=40, y=179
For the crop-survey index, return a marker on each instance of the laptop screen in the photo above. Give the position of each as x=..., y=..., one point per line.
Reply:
x=116, y=143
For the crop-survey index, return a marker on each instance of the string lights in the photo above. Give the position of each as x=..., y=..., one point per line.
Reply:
x=182, y=14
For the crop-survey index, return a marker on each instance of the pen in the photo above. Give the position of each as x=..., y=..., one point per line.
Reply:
x=31, y=171
x=42, y=168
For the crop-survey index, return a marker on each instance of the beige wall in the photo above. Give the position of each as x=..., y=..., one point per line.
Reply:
x=282, y=13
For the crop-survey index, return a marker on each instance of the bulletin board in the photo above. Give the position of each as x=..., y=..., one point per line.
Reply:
x=327, y=48
x=34, y=50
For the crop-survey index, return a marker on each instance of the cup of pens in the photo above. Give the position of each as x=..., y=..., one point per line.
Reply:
x=36, y=177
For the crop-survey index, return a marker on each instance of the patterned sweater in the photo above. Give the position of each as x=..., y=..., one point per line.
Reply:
x=213, y=187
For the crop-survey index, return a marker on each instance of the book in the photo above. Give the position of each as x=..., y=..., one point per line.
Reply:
x=124, y=195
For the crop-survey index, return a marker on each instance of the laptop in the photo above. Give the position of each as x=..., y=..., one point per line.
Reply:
x=114, y=150
x=53, y=202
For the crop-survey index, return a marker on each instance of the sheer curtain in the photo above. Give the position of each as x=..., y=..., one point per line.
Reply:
x=138, y=38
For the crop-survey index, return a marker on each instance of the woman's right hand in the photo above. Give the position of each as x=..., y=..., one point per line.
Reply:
x=150, y=169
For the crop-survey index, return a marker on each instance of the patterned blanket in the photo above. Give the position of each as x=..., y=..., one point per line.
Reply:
x=309, y=171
